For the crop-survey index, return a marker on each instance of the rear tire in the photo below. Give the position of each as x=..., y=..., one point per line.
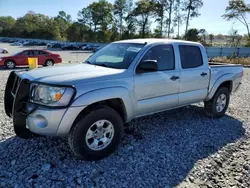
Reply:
x=217, y=106
x=5, y=51
x=9, y=64
x=97, y=134
x=49, y=63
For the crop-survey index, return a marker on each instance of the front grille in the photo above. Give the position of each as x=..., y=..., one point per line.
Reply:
x=16, y=94
x=10, y=92
x=15, y=85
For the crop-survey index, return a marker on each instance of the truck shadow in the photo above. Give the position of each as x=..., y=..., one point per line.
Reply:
x=157, y=150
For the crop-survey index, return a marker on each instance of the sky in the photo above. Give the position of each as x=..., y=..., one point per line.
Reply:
x=210, y=18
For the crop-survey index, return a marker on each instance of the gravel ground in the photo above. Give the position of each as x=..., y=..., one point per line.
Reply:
x=181, y=148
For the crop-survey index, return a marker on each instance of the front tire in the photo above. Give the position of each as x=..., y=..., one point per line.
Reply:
x=217, y=106
x=97, y=134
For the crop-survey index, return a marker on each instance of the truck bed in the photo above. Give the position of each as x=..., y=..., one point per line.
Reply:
x=217, y=70
x=218, y=64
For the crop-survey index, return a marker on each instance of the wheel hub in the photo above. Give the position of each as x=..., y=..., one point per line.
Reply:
x=99, y=135
x=221, y=103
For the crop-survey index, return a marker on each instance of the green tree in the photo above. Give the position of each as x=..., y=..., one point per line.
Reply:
x=101, y=12
x=160, y=7
x=144, y=10
x=234, y=39
x=6, y=24
x=63, y=21
x=85, y=17
x=77, y=32
x=64, y=16
x=120, y=10
x=238, y=10
x=211, y=38
x=203, y=33
x=191, y=7
x=169, y=19
x=97, y=20
x=130, y=21
x=192, y=35
x=178, y=17
x=33, y=25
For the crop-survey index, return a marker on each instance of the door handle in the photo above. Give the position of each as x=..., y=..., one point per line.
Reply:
x=203, y=74
x=174, y=78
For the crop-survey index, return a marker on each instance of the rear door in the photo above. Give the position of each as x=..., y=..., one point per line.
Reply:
x=194, y=75
x=157, y=91
x=37, y=54
x=42, y=57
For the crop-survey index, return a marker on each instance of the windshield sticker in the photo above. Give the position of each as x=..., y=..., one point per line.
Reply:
x=133, y=49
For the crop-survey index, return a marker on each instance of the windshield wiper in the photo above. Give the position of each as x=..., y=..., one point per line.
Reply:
x=104, y=65
x=88, y=62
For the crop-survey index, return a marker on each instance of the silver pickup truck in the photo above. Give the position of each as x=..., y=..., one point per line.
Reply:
x=91, y=102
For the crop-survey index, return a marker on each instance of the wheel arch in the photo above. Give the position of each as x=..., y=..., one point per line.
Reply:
x=9, y=60
x=116, y=98
x=223, y=81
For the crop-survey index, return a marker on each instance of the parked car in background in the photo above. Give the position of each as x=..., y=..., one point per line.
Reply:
x=16, y=44
x=38, y=43
x=4, y=50
x=70, y=47
x=29, y=43
x=97, y=48
x=88, y=47
x=45, y=58
x=82, y=46
x=56, y=45
x=91, y=102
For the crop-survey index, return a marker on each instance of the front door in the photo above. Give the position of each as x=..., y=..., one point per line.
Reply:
x=157, y=91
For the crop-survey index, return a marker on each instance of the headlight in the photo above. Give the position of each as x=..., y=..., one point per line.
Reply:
x=51, y=95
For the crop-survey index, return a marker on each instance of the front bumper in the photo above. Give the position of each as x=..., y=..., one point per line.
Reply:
x=52, y=122
x=38, y=119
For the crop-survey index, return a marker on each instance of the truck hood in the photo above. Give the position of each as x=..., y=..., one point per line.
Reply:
x=73, y=74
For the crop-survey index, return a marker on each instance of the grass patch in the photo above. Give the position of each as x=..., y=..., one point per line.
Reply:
x=233, y=60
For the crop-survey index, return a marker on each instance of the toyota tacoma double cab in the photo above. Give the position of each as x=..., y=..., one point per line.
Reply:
x=91, y=102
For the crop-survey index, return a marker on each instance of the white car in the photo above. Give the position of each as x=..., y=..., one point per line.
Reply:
x=3, y=50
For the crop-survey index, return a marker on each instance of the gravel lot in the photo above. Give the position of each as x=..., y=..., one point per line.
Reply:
x=180, y=148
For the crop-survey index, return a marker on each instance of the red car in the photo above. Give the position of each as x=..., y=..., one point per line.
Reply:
x=45, y=58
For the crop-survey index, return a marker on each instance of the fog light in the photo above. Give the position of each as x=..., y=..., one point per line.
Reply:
x=41, y=121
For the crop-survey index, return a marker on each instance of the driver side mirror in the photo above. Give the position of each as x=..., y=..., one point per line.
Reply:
x=147, y=66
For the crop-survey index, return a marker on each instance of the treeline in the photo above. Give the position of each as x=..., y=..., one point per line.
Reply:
x=102, y=21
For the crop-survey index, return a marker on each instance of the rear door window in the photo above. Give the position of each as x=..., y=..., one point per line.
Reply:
x=43, y=53
x=35, y=52
x=190, y=56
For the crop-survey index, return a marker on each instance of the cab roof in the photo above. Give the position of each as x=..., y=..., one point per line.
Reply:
x=156, y=40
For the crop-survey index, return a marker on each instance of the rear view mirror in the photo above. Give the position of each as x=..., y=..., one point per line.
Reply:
x=147, y=66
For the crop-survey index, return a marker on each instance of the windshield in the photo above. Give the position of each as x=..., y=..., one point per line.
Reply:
x=17, y=53
x=116, y=55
